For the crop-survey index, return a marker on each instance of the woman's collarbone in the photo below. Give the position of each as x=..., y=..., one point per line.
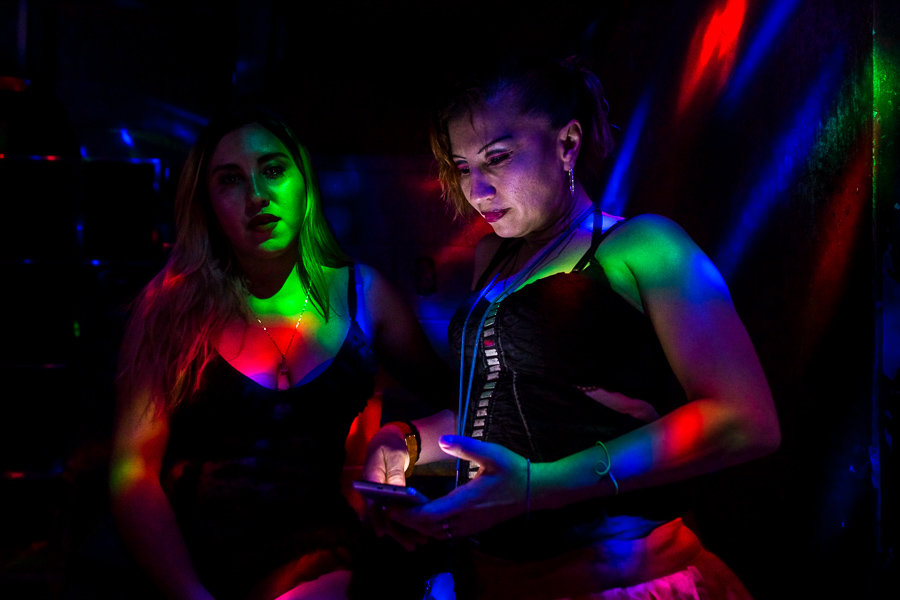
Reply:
x=556, y=262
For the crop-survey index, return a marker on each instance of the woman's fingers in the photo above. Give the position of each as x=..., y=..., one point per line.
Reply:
x=418, y=523
x=387, y=458
x=384, y=524
x=376, y=517
x=408, y=538
x=486, y=500
x=466, y=448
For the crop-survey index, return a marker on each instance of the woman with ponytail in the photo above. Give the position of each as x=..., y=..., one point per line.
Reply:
x=601, y=364
x=244, y=365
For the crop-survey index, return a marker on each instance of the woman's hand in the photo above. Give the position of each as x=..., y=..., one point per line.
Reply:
x=387, y=459
x=497, y=493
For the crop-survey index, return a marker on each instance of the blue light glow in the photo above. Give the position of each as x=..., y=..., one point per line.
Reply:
x=616, y=194
x=339, y=184
x=760, y=46
x=789, y=153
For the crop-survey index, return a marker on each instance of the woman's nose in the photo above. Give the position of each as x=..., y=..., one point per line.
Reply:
x=259, y=193
x=480, y=189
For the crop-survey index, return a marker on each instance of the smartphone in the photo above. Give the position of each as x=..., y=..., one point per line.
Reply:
x=385, y=492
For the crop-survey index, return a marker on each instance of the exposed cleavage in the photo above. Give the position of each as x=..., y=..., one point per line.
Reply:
x=248, y=348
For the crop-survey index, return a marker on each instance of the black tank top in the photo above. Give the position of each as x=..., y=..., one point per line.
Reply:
x=253, y=474
x=537, y=347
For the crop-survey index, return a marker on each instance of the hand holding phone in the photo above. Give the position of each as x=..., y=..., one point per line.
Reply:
x=382, y=493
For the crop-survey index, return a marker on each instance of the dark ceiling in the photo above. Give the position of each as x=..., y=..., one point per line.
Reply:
x=354, y=77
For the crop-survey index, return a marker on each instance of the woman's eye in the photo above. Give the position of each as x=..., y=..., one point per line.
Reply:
x=463, y=169
x=229, y=179
x=496, y=159
x=273, y=171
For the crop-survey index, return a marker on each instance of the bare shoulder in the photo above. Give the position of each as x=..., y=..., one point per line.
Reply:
x=652, y=232
x=370, y=277
x=649, y=241
x=659, y=253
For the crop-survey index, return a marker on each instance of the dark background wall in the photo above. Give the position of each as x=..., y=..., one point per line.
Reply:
x=766, y=128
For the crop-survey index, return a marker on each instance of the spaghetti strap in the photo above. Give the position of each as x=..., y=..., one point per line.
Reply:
x=501, y=253
x=351, y=292
x=597, y=236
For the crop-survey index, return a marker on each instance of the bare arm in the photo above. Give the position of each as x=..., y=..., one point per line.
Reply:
x=139, y=505
x=400, y=343
x=730, y=416
x=402, y=347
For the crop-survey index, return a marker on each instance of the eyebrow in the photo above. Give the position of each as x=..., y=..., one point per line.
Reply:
x=494, y=141
x=262, y=159
x=269, y=156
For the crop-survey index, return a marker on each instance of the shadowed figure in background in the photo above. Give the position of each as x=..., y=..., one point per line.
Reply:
x=601, y=364
x=245, y=362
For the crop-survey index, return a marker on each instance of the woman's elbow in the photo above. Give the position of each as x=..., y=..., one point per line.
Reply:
x=769, y=438
x=761, y=432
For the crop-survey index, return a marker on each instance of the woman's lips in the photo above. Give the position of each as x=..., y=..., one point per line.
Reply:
x=262, y=222
x=493, y=216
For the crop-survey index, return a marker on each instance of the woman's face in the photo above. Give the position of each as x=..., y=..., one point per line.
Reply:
x=511, y=170
x=257, y=192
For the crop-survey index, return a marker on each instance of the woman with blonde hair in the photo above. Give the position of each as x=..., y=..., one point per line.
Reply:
x=244, y=365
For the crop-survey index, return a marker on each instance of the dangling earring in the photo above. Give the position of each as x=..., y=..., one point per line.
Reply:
x=572, y=182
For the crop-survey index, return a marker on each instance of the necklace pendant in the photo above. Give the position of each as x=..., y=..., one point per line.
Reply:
x=284, y=381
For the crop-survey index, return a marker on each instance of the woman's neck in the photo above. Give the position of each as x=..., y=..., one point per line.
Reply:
x=281, y=292
x=565, y=216
x=265, y=278
x=533, y=243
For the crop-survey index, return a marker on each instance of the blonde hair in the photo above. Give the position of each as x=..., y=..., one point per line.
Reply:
x=178, y=317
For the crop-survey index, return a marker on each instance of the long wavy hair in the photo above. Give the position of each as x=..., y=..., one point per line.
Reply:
x=177, y=319
x=560, y=90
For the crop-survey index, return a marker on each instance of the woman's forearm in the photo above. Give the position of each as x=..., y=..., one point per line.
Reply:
x=697, y=438
x=150, y=531
x=430, y=430
x=387, y=457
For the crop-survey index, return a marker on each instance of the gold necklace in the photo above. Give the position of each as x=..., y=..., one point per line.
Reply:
x=284, y=380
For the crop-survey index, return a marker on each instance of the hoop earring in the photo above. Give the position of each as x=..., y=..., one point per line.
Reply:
x=572, y=182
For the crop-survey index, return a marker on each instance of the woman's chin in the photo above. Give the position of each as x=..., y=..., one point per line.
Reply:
x=504, y=230
x=272, y=249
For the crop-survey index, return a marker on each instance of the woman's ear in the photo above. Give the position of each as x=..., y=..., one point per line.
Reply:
x=569, y=143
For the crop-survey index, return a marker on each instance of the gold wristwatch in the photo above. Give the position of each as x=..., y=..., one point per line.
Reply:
x=413, y=442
